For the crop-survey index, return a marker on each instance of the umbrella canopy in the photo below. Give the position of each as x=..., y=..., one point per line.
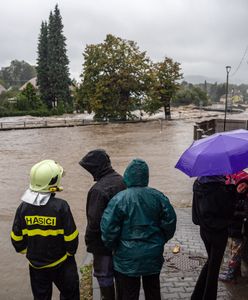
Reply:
x=219, y=154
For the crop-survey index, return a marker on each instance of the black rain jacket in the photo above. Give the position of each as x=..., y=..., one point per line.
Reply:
x=213, y=205
x=108, y=183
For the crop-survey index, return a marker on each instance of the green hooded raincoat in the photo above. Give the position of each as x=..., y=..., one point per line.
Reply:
x=137, y=223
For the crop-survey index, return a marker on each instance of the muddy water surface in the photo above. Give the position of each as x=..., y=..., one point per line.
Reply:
x=20, y=149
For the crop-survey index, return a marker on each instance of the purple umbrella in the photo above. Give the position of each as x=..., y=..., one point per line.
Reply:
x=219, y=154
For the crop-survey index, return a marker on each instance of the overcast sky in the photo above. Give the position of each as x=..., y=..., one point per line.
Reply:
x=203, y=35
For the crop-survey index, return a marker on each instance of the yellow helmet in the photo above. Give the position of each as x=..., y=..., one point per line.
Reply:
x=45, y=176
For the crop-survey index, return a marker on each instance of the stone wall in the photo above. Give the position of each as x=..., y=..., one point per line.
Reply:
x=205, y=128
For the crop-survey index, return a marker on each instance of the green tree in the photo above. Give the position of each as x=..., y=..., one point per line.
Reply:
x=42, y=65
x=81, y=102
x=243, y=88
x=114, y=79
x=220, y=91
x=2, y=83
x=18, y=73
x=164, y=84
x=190, y=95
x=4, y=103
x=28, y=99
x=58, y=70
x=213, y=92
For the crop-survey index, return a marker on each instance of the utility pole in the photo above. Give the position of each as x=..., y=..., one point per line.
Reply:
x=228, y=69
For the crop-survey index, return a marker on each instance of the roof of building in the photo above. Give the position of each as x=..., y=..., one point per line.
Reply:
x=33, y=81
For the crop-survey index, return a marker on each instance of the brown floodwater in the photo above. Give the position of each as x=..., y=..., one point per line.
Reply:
x=159, y=145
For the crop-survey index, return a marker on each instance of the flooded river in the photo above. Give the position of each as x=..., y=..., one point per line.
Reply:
x=159, y=145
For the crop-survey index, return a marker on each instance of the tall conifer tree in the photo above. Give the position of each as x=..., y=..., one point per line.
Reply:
x=42, y=65
x=53, y=64
x=58, y=71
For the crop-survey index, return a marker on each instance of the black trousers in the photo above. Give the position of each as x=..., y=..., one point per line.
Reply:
x=207, y=284
x=103, y=270
x=128, y=288
x=65, y=277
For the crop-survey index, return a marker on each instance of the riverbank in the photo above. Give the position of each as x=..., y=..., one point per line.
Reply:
x=71, y=120
x=189, y=112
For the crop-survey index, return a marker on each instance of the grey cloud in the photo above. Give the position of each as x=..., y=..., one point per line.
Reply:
x=203, y=35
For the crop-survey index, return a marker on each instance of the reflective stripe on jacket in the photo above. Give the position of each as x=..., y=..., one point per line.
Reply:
x=47, y=234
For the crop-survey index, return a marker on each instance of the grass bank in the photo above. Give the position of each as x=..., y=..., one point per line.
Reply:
x=86, y=289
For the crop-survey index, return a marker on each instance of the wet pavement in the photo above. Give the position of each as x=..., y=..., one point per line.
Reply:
x=180, y=271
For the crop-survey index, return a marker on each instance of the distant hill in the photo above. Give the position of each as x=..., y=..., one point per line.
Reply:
x=195, y=79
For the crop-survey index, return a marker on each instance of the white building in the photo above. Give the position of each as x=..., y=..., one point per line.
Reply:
x=2, y=89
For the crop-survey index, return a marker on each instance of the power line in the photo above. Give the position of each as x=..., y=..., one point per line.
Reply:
x=240, y=63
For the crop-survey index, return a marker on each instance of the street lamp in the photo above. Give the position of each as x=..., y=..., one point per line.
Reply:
x=228, y=69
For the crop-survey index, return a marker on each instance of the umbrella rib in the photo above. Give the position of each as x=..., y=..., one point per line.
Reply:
x=206, y=150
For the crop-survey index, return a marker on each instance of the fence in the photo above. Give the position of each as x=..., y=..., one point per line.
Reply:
x=45, y=123
x=51, y=123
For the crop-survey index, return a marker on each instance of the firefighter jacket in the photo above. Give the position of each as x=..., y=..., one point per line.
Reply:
x=47, y=234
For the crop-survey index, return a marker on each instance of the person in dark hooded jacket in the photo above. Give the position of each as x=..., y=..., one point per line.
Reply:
x=135, y=225
x=212, y=209
x=108, y=183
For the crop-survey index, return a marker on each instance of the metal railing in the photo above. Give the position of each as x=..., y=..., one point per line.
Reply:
x=30, y=124
x=51, y=123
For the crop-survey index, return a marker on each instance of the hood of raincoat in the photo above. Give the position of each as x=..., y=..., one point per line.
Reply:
x=136, y=173
x=97, y=163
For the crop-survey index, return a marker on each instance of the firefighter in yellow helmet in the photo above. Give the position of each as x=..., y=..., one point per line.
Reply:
x=44, y=229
